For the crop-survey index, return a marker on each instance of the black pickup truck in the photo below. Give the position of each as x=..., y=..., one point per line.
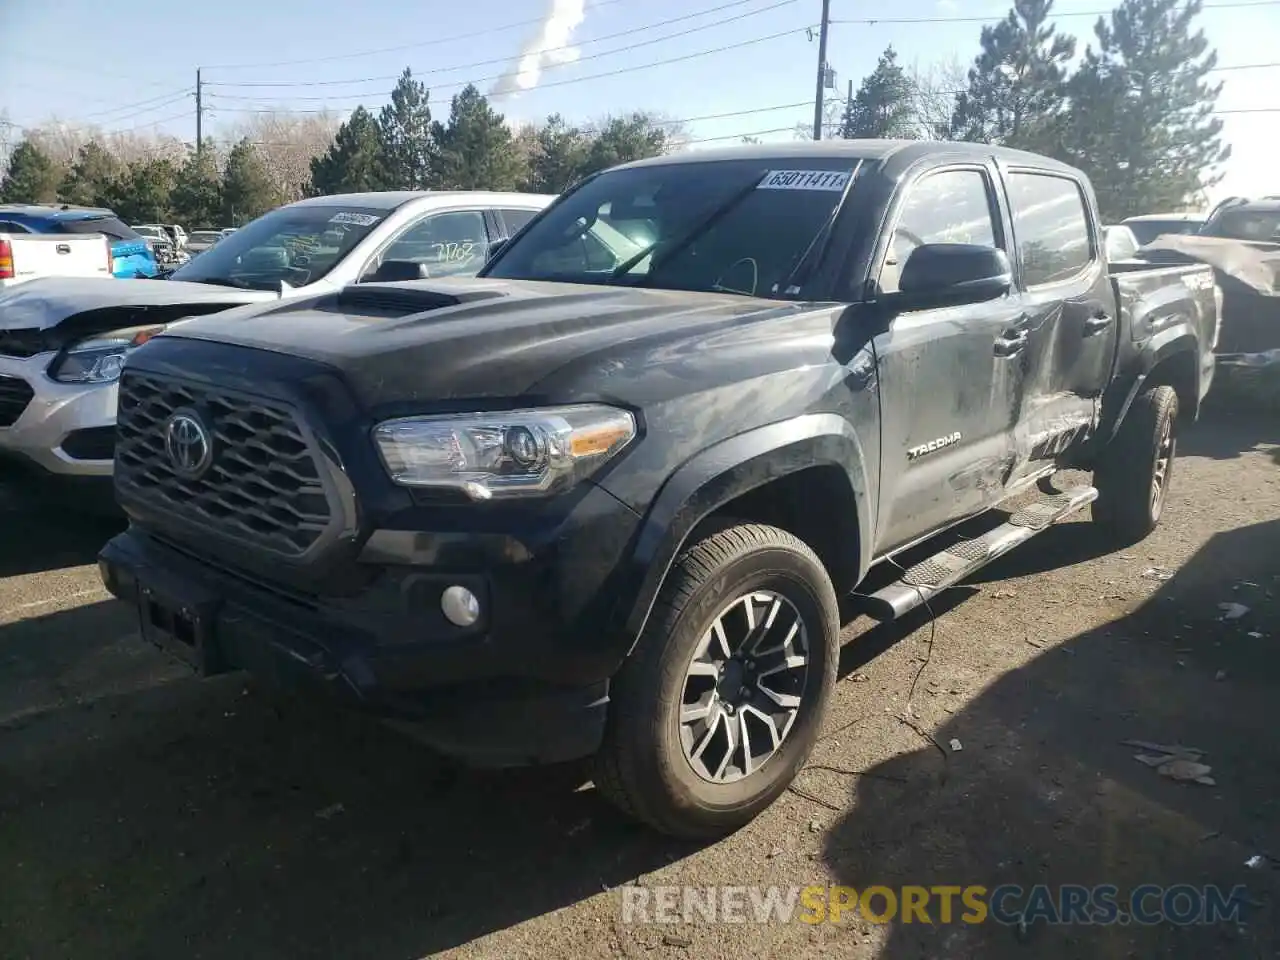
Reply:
x=602, y=500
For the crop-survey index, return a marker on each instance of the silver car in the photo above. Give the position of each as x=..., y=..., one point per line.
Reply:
x=63, y=343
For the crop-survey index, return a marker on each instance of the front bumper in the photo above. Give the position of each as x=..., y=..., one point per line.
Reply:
x=65, y=429
x=524, y=685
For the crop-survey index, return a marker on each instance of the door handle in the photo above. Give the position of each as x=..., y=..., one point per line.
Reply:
x=1009, y=344
x=1097, y=323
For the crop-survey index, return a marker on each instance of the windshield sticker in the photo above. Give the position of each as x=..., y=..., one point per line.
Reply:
x=358, y=219
x=832, y=180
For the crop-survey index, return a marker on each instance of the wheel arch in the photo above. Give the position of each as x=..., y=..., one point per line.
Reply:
x=806, y=475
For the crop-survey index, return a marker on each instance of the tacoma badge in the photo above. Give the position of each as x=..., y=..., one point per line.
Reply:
x=915, y=453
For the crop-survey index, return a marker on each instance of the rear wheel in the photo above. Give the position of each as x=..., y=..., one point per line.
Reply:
x=723, y=698
x=1134, y=474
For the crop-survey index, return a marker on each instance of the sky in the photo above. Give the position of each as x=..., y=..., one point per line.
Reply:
x=89, y=62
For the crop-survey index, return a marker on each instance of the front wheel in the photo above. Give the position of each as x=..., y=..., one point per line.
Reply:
x=723, y=697
x=1134, y=473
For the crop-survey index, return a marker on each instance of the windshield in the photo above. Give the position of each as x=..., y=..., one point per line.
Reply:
x=203, y=236
x=296, y=245
x=152, y=233
x=1256, y=225
x=751, y=223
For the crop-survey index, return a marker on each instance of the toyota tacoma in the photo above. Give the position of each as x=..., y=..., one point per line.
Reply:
x=602, y=500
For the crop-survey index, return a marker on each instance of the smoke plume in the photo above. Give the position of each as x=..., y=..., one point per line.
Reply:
x=550, y=45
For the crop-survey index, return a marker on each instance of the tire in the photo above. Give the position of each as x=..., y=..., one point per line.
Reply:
x=1135, y=471
x=647, y=765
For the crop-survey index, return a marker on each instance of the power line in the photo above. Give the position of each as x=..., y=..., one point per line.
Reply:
x=155, y=103
x=487, y=32
x=542, y=86
x=507, y=60
x=875, y=21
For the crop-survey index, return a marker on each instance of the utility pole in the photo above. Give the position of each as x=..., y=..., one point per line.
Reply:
x=199, y=114
x=822, y=70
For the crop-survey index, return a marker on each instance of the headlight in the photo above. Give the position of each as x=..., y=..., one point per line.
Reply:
x=517, y=453
x=99, y=359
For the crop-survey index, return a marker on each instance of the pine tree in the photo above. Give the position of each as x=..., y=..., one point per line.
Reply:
x=884, y=106
x=197, y=191
x=405, y=129
x=354, y=162
x=247, y=188
x=475, y=150
x=635, y=136
x=1017, y=85
x=91, y=178
x=143, y=194
x=1142, y=119
x=558, y=156
x=31, y=178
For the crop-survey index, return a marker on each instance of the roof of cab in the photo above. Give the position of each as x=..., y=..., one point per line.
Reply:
x=393, y=199
x=903, y=151
x=47, y=212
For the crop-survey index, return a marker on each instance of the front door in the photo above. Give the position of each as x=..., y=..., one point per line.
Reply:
x=951, y=378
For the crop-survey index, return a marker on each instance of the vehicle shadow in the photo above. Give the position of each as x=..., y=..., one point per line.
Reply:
x=152, y=814
x=35, y=540
x=1044, y=791
x=1228, y=430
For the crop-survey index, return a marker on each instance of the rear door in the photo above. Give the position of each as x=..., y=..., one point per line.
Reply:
x=1061, y=268
x=452, y=243
x=951, y=378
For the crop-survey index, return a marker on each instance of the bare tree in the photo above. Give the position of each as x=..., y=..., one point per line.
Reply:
x=936, y=86
x=287, y=142
x=832, y=108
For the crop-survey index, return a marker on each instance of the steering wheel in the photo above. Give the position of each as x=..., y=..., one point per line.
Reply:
x=912, y=238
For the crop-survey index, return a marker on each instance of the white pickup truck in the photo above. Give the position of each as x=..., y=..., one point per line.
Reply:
x=26, y=256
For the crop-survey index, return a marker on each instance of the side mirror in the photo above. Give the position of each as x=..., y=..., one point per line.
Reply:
x=950, y=274
x=394, y=271
x=495, y=246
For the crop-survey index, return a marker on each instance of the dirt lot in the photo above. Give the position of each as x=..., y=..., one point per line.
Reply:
x=143, y=814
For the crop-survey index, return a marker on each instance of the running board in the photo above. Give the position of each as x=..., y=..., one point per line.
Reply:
x=930, y=577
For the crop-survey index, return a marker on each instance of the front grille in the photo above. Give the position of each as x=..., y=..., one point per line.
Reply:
x=24, y=343
x=263, y=484
x=15, y=394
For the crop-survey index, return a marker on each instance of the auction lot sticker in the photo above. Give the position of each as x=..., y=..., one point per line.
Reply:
x=833, y=180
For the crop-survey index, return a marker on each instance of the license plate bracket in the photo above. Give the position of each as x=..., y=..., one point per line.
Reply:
x=180, y=622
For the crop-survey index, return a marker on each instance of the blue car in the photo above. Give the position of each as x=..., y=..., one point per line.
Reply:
x=131, y=254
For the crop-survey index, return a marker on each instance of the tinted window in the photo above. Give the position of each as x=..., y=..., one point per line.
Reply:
x=297, y=245
x=949, y=207
x=737, y=226
x=1256, y=225
x=113, y=227
x=450, y=244
x=516, y=219
x=8, y=226
x=1052, y=227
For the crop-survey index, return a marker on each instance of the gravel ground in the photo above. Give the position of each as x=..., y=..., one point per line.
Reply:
x=144, y=814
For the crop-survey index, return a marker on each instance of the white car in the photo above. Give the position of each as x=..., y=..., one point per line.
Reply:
x=63, y=343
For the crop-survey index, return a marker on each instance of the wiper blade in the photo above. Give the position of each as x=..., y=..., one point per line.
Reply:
x=709, y=221
x=800, y=273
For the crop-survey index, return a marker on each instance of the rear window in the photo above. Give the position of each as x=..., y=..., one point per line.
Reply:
x=1255, y=225
x=1051, y=224
x=113, y=227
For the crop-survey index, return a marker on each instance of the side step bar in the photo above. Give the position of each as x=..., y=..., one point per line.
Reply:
x=930, y=577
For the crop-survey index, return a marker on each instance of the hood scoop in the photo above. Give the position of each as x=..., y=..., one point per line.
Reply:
x=405, y=299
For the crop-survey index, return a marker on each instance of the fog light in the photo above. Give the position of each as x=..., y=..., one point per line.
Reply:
x=461, y=607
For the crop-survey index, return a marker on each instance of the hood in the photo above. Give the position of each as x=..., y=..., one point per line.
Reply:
x=472, y=338
x=45, y=302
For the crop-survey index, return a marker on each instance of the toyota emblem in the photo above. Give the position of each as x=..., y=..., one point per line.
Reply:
x=188, y=444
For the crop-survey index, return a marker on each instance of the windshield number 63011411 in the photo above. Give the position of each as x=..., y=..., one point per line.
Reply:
x=454, y=252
